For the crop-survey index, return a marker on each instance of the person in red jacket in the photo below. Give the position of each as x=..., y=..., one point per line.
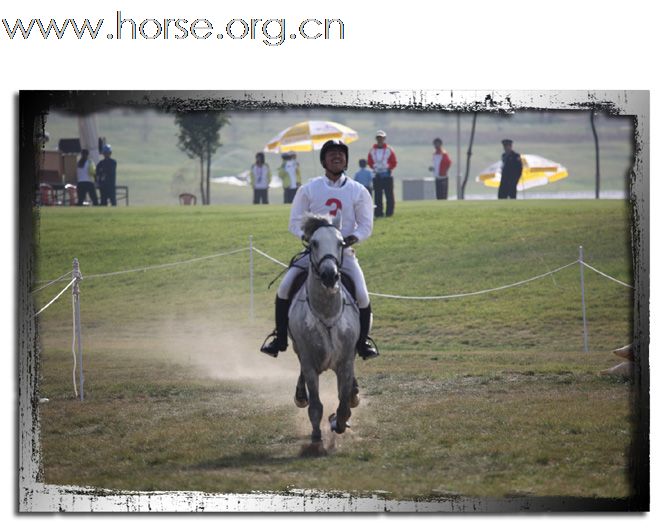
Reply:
x=382, y=160
x=441, y=162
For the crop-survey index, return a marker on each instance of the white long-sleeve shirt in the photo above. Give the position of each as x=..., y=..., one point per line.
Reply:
x=322, y=197
x=86, y=173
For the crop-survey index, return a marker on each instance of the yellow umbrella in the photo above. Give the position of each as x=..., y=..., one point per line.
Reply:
x=310, y=136
x=537, y=171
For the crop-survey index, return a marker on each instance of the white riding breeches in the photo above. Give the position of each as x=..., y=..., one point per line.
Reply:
x=350, y=267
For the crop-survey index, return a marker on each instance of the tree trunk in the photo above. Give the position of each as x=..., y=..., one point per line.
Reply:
x=594, y=133
x=204, y=201
x=208, y=175
x=469, y=155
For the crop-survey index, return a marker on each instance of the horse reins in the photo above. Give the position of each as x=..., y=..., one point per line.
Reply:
x=316, y=266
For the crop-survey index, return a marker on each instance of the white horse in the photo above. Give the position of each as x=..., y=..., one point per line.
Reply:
x=324, y=326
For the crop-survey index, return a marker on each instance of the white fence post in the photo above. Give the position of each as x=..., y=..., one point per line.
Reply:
x=585, y=321
x=251, y=312
x=76, y=276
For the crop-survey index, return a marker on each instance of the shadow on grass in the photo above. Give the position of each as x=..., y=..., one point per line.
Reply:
x=244, y=460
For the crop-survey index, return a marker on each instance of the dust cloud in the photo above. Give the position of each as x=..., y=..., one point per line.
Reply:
x=229, y=351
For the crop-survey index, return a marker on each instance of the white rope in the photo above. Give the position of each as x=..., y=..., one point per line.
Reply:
x=165, y=265
x=446, y=296
x=57, y=296
x=606, y=275
x=269, y=257
x=74, y=353
x=68, y=273
x=462, y=295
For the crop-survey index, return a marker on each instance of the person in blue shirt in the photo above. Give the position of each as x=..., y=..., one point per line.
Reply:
x=364, y=175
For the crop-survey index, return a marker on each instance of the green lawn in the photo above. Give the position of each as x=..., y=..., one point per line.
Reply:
x=484, y=395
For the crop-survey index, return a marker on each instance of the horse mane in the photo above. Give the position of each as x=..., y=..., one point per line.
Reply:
x=312, y=222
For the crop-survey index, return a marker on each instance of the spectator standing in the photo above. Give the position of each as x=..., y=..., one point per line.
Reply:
x=364, y=176
x=382, y=160
x=441, y=162
x=260, y=177
x=290, y=176
x=106, y=176
x=512, y=169
x=86, y=179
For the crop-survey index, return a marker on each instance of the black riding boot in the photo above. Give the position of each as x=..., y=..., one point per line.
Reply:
x=280, y=334
x=364, y=347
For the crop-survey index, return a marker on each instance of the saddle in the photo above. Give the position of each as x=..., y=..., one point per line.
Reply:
x=346, y=281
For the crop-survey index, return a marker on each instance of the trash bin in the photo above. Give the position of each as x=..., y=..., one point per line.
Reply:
x=442, y=187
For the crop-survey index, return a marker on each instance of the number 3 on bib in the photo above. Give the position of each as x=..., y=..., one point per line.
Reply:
x=337, y=206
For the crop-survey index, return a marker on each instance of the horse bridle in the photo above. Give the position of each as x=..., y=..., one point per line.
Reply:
x=338, y=261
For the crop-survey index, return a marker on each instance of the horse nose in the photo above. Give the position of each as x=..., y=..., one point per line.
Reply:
x=329, y=274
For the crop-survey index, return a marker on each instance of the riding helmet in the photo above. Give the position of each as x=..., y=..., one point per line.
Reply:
x=333, y=144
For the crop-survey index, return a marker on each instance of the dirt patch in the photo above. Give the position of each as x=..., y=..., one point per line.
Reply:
x=230, y=352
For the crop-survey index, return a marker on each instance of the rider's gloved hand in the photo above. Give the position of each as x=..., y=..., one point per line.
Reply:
x=350, y=240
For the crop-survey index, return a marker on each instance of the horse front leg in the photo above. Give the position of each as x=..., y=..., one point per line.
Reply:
x=339, y=421
x=355, y=397
x=315, y=406
x=301, y=398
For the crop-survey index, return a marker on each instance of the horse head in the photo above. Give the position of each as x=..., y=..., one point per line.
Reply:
x=326, y=248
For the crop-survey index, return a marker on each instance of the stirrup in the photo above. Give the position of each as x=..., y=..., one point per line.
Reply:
x=274, y=347
x=372, y=349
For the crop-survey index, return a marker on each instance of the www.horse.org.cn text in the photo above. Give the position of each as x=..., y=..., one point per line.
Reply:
x=270, y=31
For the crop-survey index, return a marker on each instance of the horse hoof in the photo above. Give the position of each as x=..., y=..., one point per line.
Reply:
x=332, y=420
x=333, y=424
x=301, y=403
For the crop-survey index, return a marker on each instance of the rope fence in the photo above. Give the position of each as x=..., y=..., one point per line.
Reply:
x=270, y=258
x=68, y=274
x=57, y=296
x=75, y=273
x=76, y=278
x=474, y=293
x=484, y=291
x=165, y=265
x=606, y=275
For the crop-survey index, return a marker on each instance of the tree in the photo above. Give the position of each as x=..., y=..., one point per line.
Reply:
x=199, y=138
x=594, y=133
x=469, y=156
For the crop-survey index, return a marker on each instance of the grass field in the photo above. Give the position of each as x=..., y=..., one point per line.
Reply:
x=487, y=395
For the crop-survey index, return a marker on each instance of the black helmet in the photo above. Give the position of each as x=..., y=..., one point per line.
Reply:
x=333, y=144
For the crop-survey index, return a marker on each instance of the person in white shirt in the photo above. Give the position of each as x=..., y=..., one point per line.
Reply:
x=441, y=162
x=86, y=179
x=382, y=160
x=330, y=194
x=260, y=178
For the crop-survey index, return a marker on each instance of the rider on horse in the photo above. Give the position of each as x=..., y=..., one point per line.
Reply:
x=330, y=194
